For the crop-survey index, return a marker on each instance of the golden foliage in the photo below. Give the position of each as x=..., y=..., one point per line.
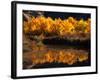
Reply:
x=58, y=26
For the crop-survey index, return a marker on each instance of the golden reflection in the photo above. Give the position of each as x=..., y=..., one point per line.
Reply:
x=68, y=56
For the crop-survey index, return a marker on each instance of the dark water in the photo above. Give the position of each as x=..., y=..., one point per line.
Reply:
x=62, y=42
x=58, y=65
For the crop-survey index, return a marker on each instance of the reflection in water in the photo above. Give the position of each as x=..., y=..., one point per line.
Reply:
x=47, y=54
